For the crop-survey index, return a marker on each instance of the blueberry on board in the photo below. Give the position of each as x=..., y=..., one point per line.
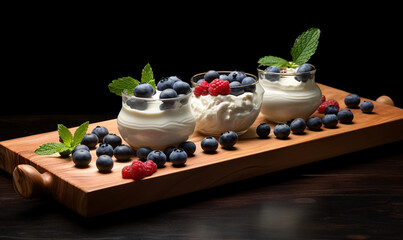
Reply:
x=345, y=116
x=168, y=151
x=352, y=100
x=137, y=104
x=367, y=106
x=81, y=158
x=90, y=140
x=101, y=132
x=209, y=144
x=158, y=157
x=182, y=87
x=249, y=81
x=236, y=88
x=104, y=149
x=273, y=73
x=79, y=147
x=330, y=120
x=282, y=131
x=189, y=147
x=112, y=139
x=314, y=123
x=142, y=153
x=228, y=139
x=236, y=76
x=263, y=130
x=104, y=163
x=123, y=153
x=298, y=126
x=165, y=83
x=143, y=90
x=331, y=109
x=224, y=77
x=303, y=72
x=211, y=75
x=178, y=157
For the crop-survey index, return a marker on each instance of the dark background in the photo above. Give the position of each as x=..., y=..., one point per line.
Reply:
x=61, y=60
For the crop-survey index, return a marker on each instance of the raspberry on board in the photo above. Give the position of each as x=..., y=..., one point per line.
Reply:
x=324, y=105
x=126, y=172
x=137, y=170
x=219, y=87
x=150, y=167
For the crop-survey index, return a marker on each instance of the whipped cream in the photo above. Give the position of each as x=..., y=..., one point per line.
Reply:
x=156, y=128
x=288, y=98
x=217, y=114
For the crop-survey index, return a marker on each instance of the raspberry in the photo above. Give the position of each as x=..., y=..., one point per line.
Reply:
x=201, y=89
x=138, y=170
x=150, y=167
x=126, y=172
x=327, y=103
x=323, y=99
x=219, y=87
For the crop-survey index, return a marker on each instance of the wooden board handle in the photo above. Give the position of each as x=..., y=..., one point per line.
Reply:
x=385, y=100
x=29, y=183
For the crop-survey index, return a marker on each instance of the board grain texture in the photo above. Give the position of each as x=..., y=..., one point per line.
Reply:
x=91, y=193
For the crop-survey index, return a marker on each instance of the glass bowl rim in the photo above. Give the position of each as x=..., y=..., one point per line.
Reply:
x=259, y=70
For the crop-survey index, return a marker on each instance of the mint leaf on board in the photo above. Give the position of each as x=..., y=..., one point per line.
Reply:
x=147, y=76
x=125, y=83
x=305, y=46
x=273, y=61
x=51, y=148
x=65, y=134
x=79, y=133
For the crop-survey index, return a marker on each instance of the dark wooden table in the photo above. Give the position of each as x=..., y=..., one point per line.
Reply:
x=355, y=196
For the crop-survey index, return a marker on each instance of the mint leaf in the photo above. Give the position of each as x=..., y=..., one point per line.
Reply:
x=65, y=134
x=147, y=76
x=125, y=83
x=273, y=61
x=305, y=46
x=79, y=133
x=51, y=148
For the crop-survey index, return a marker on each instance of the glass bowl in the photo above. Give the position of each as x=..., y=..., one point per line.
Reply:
x=155, y=123
x=233, y=112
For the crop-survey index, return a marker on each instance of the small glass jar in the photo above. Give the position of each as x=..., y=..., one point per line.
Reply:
x=289, y=95
x=155, y=123
x=233, y=112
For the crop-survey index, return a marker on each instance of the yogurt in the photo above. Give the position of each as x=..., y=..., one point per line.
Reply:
x=217, y=114
x=285, y=98
x=156, y=127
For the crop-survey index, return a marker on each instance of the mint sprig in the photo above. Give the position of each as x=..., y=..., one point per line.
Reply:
x=119, y=85
x=70, y=141
x=304, y=47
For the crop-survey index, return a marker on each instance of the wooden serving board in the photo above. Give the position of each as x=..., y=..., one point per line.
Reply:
x=91, y=193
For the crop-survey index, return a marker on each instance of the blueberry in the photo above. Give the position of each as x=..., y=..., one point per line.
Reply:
x=142, y=153
x=144, y=90
x=137, y=104
x=90, y=140
x=366, y=106
x=331, y=109
x=236, y=88
x=273, y=73
x=112, y=139
x=165, y=83
x=330, y=120
x=189, y=147
x=168, y=93
x=104, y=149
x=303, y=72
x=314, y=123
x=104, y=163
x=123, y=153
x=79, y=147
x=298, y=126
x=282, y=131
x=249, y=81
x=158, y=157
x=182, y=87
x=263, y=130
x=352, y=100
x=224, y=77
x=81, y=158
x=199, y=81
x=101, y=132
x=345, y=116
x=178, y=157
x=209, y=144
x=228, y=139
x=174, y=78
x=236, y=76
x=211, y=75
x=168, y=151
